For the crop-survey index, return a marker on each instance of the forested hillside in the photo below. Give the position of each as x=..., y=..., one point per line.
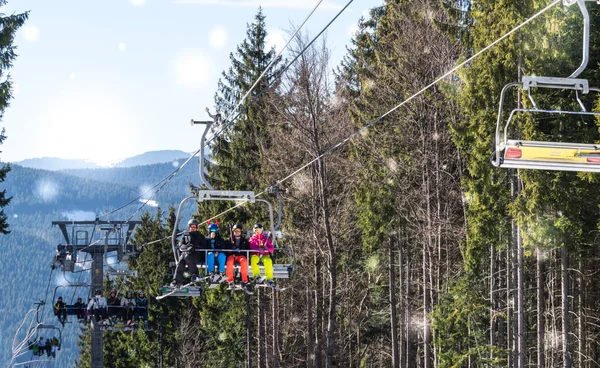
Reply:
x=412, y=249
x=40, y=197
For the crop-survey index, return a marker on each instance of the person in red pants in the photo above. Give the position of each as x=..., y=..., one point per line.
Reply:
x=239, y=245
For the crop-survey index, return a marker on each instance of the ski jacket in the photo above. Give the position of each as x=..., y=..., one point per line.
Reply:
x=261, y=243
x=97, y=302
x=141, y=302
x=215, y=243
x=113, y=301
x=240, y=243
x=191, y=241
x=128, y=302
x=79, y=305
x=59, y=305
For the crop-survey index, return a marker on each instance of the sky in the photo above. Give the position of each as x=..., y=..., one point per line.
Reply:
x=107, y=80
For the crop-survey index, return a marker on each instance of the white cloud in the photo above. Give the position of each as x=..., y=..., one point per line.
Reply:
x=277, y=38
x=31, y=33
x=72, y=75
x=122, y=46
x=16, y=88
x=218, y=37
x=352, y=29
x=138, y=2
x=192, y=69
x=288, y=4
x=365, y=13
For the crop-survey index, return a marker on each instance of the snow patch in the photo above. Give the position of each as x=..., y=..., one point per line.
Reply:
x=149, y=202
x=79, y=215
x=47, y=190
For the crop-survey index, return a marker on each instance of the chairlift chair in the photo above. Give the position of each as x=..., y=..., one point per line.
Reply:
x=283, y=271
x=512, y=152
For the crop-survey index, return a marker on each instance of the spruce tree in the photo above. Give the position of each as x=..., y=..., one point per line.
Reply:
x=8, y=28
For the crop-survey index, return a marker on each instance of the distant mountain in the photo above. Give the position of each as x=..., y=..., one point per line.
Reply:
x=153, y=157
x=55, y=163
x=42, y=196
x=148, y=158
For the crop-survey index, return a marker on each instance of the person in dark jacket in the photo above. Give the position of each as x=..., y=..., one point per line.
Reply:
x=239, y=244
x=114, y=304
x=188, y=255
x=215, y=243
x=79, y=309
x=60, y=310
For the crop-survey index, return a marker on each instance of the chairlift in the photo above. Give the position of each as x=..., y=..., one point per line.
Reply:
x=280, y=270
x=512, y=152
x=71, y=309
x=39, y=345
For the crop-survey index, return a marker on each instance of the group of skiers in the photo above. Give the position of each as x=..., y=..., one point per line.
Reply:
x=196, y=248
x=50, y=346
x=129, y=308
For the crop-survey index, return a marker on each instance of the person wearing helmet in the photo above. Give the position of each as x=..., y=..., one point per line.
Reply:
x=214, y=244
x=239, y=244
x=97, y=306
x=114, y=304
x=262, y=248
x=191, y=241
x=60, y=310
x=128, y=308
x=79, y=308
x=141, y=308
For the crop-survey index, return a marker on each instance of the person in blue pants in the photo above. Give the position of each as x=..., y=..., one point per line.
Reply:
x=215, y=243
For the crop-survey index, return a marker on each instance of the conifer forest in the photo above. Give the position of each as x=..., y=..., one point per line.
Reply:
x=411, y=249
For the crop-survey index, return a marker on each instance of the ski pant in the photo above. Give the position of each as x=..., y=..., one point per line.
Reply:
x=141, y=312
x=99, y=313
x=210, y=262
x=267, y=264
x=231, y=260
x=189, y=260
x=128, y=313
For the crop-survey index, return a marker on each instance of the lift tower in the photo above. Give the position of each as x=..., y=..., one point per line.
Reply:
x=97, y=238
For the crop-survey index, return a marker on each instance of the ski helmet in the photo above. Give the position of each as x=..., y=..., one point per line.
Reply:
x=237, y=227
x=258, y=226
x=98, y=292
x=213, y=228
x=193, y=222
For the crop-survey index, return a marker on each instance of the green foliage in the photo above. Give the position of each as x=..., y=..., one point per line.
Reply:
x=9, y=25
x=460, y=323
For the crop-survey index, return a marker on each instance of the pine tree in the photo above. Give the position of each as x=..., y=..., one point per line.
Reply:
x=238, y=152
x=8, y=28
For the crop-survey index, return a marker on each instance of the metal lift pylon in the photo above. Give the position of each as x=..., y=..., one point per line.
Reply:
x=82, y=241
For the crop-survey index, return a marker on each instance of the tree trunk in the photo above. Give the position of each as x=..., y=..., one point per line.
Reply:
x=319, y=313
x=403, y=332
x=248, y=332
x=541, y=328
x=521, y=308
x=392, y=289
x=492, y=301
x=261, y=331
x=567, y=358
x=275, y=327
x=331, y=314
x=310, y=351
